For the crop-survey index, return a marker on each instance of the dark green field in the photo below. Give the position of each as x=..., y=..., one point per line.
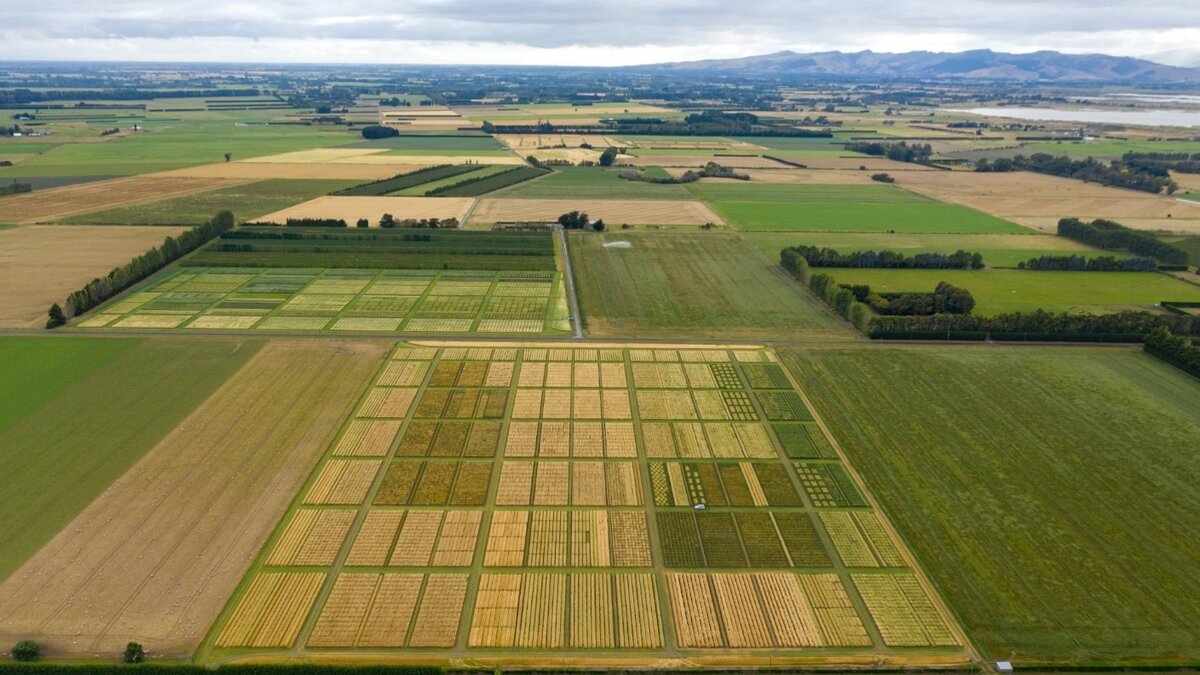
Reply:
x=1050, y=493
x=593, y=183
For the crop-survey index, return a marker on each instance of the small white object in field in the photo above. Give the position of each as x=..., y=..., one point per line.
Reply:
x=618, y=244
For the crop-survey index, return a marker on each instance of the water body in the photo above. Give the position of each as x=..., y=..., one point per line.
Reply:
x=1148, y=118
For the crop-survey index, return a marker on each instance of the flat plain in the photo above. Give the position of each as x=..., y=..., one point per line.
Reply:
x=1020, y=478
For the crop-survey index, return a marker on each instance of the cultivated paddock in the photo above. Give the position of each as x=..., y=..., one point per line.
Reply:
x=156, y=556
x=697, y=161
x=854, y=163
x=790, y=177
x=380, y=156
x=1038, y=201
x=71, y=200
x=612, y=211
x=351, y=209
x=42, y=264
x=298, y=171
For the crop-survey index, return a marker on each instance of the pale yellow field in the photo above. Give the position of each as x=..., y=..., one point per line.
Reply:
x=699, y=161
x=524, y=142
x=42, y=264
x=613, y=211
x=54, y=203
x=430, y=160
x=1038, y=201
x=351, y=209
x=309, y=171
x=1187, y=181
x=317, y=156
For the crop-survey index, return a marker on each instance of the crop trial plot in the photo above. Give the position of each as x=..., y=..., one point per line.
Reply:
x=519, y=302
x=496, y=503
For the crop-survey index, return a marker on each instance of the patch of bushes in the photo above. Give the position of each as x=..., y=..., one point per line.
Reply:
x=15, y=188
x=375, y=131
x=827, y=257
x=899, y=152
x=1039, y=325
x=710, y=170
x=1176, y=350
x=1078, y=263
x=882, y=178
x=1113, y=236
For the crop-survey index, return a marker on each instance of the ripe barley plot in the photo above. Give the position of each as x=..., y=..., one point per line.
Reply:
x=539, y=504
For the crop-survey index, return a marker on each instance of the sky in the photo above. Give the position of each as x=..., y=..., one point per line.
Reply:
x=583, y=33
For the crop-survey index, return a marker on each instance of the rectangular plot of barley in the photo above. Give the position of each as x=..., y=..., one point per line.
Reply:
x=403, y=374
x=550, y=485
x=357, y=323
x=272, y=611
x=151, y=321
x=312, y=538
x=590, y=539
x=410, y=353
x=791, y=616
x=433, y=486
x=221, y=322
x=696, y=620
x=630, y=539
x=527, y=404
x=450, y=439
x=315, y=304
x=624, y=484
x=612, y=376
x=499, y=374
x=522, y=439
x=398, y=287
x=375, y=539
x=420, y=325
x=342, y=482
x=494, y=622
x=726, y=375
x=710, y=404
x=506, y=539
x=587, y=439
x=441, y=609
x=519, y=326
x=449, y=307
x=547, y=539
x=398, y=482
x=344, y=610
x=740, y=610
x=659, y=439
x=639, y=622
x=839, y=623
x=829, y=485
x=586, y=404
x=461, y=287
x=555, y=439
x=456, y=544
x=616, y=404
x=414, y=544
x=516, y=484
x=619, y=440
x=882, y=545
x=365, y=438
x=542, y=612
x=783, y=406
x=591, y=611
x=738, y=405
x=558, y=375
x=387, y=623
x=471, y=484
x=556, y=404
x=387, y=402
x=905, y=615
x=587, y=483
x=850, y=543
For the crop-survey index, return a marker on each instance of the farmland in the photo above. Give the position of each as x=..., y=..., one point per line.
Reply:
x=614, y=212
x=58, y=203
x=41, y=265
x=350, y=209
x=221, y=479
x=997, y=291
x=491, y=502
x=359, y=300
x=666, y=283
x=594, y=183
x=1020, y=524
x=62, y=449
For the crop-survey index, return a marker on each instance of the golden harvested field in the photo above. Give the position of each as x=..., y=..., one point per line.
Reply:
x=1038, y=201
x=525, y=142
x=697, y=161
x=258, y=170
x=157, y=555
x=71, y=200
x=613, y=211
x=372, y=208
x=1187, y=181
x=42, y=264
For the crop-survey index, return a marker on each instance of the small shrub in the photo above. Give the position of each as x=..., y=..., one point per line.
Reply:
x=134, y=653
x=26, y=650
x=57, y=318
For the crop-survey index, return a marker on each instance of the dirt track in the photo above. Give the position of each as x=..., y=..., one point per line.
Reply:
x=155, y=558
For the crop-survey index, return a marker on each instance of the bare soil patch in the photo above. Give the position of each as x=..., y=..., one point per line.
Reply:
x=156, y=556
x=42, y=264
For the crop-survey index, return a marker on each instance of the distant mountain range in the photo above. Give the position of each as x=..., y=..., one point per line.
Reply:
x=979, y=64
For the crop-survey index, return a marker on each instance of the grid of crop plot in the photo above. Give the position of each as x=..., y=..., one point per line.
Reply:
x=353, y=300
x=508, y=502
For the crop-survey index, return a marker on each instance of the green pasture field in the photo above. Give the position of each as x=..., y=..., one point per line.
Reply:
x=591, y=182
x=178, y=145
x=401, y=183
x=1111, y=148
x=998, y=291
x=804, y=193
x=78, y=412
x=1049, y=493
x=423, y=188
x=844, y=216
x=454, y=442
x=398, y=248
x=998, y=250
x=677, y=284
x=202, y=299
x=247, y=201
x=490, y=181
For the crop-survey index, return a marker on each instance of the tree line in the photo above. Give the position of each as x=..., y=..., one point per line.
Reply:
x=1042, y=325
x=827, y=257
x=1078, y=263
x=98, y=291
x=1176, y=350
x=1181, y=162
x=946, y=298
x=900, y=152
x=1117, y=173
x=710, y=170
x=15, y=188
x=1113, y=236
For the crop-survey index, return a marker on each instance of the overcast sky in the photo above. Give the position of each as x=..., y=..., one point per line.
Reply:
x=591, y=32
